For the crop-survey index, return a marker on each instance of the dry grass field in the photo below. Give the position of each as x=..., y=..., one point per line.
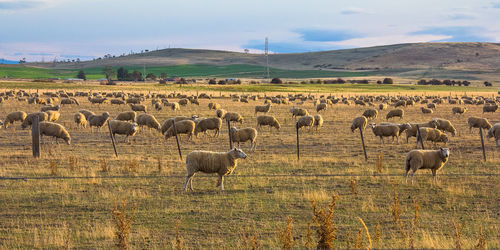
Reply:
x=68, y=196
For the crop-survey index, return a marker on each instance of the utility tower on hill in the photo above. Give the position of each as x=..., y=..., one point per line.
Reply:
x=267, y=59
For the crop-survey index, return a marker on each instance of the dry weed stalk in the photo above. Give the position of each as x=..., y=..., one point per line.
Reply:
x=160, y=167
x=395, y=208
x=250, y=241
x=380, y=159
x=286, y=235
x=358, y=240
x=133, y=166
x=326, y=229
x=354, y=186
x=73, y=163
x=481, y=244
x=458, y=235
x=366, y=232
x=53, y=168
x=123, y=223
x=348, y=239
x=179, y=241
x=309, y=238
x=378, y=235
x=104, y=166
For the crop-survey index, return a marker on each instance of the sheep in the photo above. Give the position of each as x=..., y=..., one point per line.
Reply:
x=233, y=117
x=370, y=113
x=14, y=116
x=168, y=123
x=425, y=159
x=298, y=111
x=213, y=123
x=431, y=105
x=50, y=107
x=182, y=127
x=123, y=128
x=174, y=106
x=98, y=100
x=359, y=123
x=402, y=127
x=86, y=113
x=53, y=115
x=494, y=132
x=243, y=135
x=68, y=101
x=264, y=109
x=80, y=120
x=478, y=122
x=42, y=116
x=385, y=131
x=157, y=106
x=458, y=110
x=432, y=134
x=445, y=125
x=305, y=121
x=321, y=106
x=127, y=116
x=220, y=113
x=54, y=130
x=412, y=131
x=117, y=102
x=318, y=122
x=138, y=107
x=148, y=121
x=214, y=106
x=184, y=102
x=211, y=162
x=268, y=120
x=98, y=120
x=395, y=113
x=490, y=108
x=382, y=106
x=426, y=110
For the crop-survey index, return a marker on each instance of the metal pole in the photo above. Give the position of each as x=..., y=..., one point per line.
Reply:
x=419, y=138
x=229, y=132
x=363, y=143
x=177, y=140
x=298, y=146
x=482, y=143
x=112, y=139
x=35, y=136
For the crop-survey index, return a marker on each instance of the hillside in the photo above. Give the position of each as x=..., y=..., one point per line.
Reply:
x=410, y=60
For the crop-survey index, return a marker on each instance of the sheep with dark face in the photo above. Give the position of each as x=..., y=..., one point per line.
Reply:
x=426, y=159
x=359, y=123
x=222, y=163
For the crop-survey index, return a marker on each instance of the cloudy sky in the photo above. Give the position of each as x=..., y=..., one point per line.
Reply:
x=62, y=29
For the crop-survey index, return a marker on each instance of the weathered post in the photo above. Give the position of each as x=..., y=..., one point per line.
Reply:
x=229, y=133
x=35, y=136
x=112, y=138
x=482, y=143
x=419, y=138
x=298, y=145
x=177, y=140
x=363, y=143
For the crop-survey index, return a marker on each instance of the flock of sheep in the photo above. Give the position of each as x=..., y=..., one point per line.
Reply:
x=127, y=123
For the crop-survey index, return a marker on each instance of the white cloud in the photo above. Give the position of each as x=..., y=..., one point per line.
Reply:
x=390, y=39
x=354, y=11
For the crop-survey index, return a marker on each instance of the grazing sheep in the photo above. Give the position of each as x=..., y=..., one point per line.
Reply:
x=321, y=106
x=402, y=127
x=412, y=131
x=268, y=120
x=157, y=106
x=243, y=135
x=370, y=114
x=98, y=100
x=42, y=116
x=318, y=122
x=431, y=105
x=98, y=120
x=53, y=115
x=382, y=106
x=478, y=122
x=50, y=107
x=220, y=113
x=385, y=131
x=401, y=103
x=298, y=111
x=68, y=101
x=148, y=121
x=182, y=127
x=264, y=109
x=213, y=123
x=359, y=123
x=395, y=113
x=117, y=102
x=444, y=125
x=426, y=110
x=233, y=117
x=54, y=130
x=168, y=123
x=305, y=121
x=458, y=110
x=184, y=102
x=432, y=134
x=127, y=116
x=214, y=106
x=80, y=120
x=490, y=108
x=174, y=106
x=211, y=162
x=86, y=113
x=14, y=116
x=494, y=132
x=138, y=107
x=123, y=128
x=425, y=159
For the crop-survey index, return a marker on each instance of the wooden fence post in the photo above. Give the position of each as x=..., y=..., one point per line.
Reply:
x=35, y=136
x=229, y=133
x=112, y=138
x=363, y=143
x=419, y=138
x=298, y=145
x=177, y=140
x=482, y=143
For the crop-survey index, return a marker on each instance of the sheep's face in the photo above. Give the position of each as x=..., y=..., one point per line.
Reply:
x=372, y=125
x=445, y=152
x=443, y=138
x=238, y=154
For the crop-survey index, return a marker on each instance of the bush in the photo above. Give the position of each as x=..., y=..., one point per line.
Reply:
x=379, y=82
x=163, y=81
x=276, y=80
x=221, y=82
x=487, y=84
x=388, y=81
x=212, y=82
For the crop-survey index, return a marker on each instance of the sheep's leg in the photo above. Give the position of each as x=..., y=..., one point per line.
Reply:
x=412, y=174
x=222, y=183
x=434, y=175
x=191, y=183
x=188, y=178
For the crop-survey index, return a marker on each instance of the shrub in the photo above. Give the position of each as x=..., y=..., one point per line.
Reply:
x=276, y=80
x=212, y=82
x=388, y=81
x=221, y=82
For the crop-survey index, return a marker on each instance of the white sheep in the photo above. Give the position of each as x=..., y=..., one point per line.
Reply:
x=370, y=114
x=395, y=113
x=425, y=159
x=213, y=123
x=426, y=110
x=318, y=122
x=53, y=115
x=50, y=107
x=55, y=130
x=412, y=131
x=243, y=135
x=494, y=132
x=233, y=117
x=490, y=108
x=263, y=109
x=148, y=121
x=298, y=111
x=98, y=120
x=214, y=106
x=138, y=107
x=385, y=131
x=42, y=116
x=321, y=106
x=80, y=120
x=359, y=123
x=478, y=122
x=14, y=116
x=305, y=121
x=126, y=116
x=86, y=113
x=168, y=123
x=182, y=127
x=222, y=163
x=123, y=128
x=458, y=110
x=432, y=134
x=444, y=125
x=220, y=113
x=268, y=120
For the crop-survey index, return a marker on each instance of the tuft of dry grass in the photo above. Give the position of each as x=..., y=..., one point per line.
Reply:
x=354, y=186
x=395, y=207
x=380, y=159
x=159, y=164
x=179, y=240
x=457, y=233
x=123, y=223
x=73, y=162
x=286, y=235
x=326, y=229
x=481, y=240
x=53, y=168
x=104, y=166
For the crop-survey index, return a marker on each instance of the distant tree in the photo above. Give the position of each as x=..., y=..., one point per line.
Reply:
x=136, y=76
x=122, y=74
x=81, y=75
x=487, y=84
x=22, y=60
x=108, y=72
x=276, y=80
x=221, y=82
x=379, y=82
x=163, y=75
x=388, y=81
x=212, y=82
x=151, y=76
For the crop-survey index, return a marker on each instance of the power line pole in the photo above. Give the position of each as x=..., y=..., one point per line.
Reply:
x=144, y=76
x=267, y=58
